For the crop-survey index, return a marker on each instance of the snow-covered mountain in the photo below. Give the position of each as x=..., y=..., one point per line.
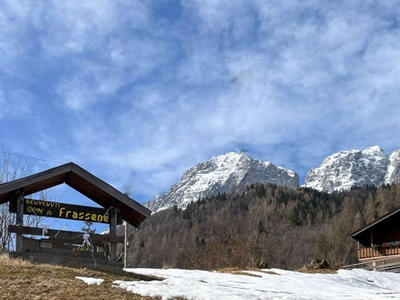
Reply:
x=345, y=169
x=233, y=171
x=224, y=173
x=393, y=171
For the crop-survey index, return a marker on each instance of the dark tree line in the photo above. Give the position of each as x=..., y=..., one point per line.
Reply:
x=264, y=226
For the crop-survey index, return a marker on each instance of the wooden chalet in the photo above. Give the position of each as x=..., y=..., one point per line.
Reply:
x=58, y=245
x=379, y=240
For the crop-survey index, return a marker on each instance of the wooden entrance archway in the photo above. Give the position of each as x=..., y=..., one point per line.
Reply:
x=85, y=183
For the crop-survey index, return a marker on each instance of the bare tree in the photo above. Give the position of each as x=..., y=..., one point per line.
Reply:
x=11, y=169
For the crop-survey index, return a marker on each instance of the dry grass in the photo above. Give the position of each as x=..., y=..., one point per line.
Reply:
x=268, y=272
x=246, y=273
x=237, y=271
x=24, y=280
x=316, y=271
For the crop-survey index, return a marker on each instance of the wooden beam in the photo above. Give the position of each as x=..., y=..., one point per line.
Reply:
x=125, y=244
x=82, y=181
x=113, y=232
x=76, y=241
x=65, y=234
x=108, y=189
x=34, y=183
x=20, y=222
x=371, y=236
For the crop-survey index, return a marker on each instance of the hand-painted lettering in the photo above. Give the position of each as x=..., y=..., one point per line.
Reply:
x=65, y=211
x=61, y=211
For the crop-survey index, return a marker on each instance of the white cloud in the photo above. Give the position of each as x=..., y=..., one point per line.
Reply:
x=77, y=96
x=151, y=95
x=15, y=103
x=72, y=27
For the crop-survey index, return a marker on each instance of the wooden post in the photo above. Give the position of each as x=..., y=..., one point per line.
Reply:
x=20, y=222
x=113, y=232
x=126, y=245
x=371, y=236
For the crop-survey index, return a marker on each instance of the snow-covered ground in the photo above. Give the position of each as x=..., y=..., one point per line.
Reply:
x=90, y=280
x=192, y=284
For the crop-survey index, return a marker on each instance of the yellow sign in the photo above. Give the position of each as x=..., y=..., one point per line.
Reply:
x=43, y=208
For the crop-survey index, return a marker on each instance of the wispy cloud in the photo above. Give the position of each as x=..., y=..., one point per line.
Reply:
x=15, y=103
x=151, y=88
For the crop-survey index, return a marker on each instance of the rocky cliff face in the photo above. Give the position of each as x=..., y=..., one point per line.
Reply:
x=393, y=171
x=225, y=173
x=233, y=171
x=345, y=169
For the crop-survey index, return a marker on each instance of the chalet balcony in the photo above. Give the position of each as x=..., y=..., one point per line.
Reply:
x=385, y=249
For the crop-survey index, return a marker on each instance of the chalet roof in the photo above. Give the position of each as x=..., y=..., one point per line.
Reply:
x=384, y=223
x=82, y=181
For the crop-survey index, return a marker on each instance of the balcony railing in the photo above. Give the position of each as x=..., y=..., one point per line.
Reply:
x=378, y=251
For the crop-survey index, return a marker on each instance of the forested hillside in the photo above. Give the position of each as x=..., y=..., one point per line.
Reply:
x=264, y=226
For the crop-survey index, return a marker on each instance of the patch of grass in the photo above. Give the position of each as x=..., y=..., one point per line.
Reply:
x=244, y=272
x=268, y=272
x=228, y=270
x=24, y=280
x=316, y=271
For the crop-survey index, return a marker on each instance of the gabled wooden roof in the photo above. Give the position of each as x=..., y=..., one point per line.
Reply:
x=380, y=229
x=82, y=181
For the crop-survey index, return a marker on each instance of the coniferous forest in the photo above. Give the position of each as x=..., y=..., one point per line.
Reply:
x=264, y=226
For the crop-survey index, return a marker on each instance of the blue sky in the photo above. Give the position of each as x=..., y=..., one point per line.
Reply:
x=136, y=92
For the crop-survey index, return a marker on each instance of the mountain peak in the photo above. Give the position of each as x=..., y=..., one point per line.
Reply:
x=342, y=170
x=229, y=158
x=232, y=171
x=374, y=149
x=224, y=173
